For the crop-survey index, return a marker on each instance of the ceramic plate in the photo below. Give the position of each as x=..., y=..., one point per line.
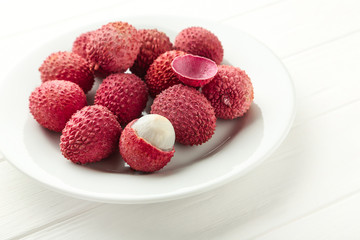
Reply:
x=236, y=147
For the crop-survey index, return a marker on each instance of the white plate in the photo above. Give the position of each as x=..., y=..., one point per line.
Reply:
x=236, y=147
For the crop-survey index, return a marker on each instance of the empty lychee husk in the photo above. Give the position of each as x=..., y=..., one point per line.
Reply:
x=193, y=70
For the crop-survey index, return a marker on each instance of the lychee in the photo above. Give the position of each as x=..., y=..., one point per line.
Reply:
x=189, y=111
x=230, y=92
x=124, y=94
x=194, y=70
x=53, y=103
x=200, y=41
x=154, y=43
x=68, y=66
x=160, y=75
x=114, y=47
x=147, y=143
x=79, y=45
x=90, y=135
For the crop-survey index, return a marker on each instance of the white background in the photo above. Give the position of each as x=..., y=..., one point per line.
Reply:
x=308, y=189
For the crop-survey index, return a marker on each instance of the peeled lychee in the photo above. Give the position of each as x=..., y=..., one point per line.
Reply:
x=194, y=70
x=154, y=43
x=124, y=94
x=90, y=135
x=68, y=66
x=230, y=92
x=114, y=47
x=200, y=41
x=160, y=75
x=53, y=103
x=189, y=111
x=147, y=143
x=156, y=130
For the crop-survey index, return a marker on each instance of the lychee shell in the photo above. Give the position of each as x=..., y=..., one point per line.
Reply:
x=194, y=70
x=68, y=66
x=114, y=47
x=189, y=111
x=160, y=75
x=90, y=135
x=230, y=92
x=53, y=103
x=124, y=94
x=154, y=43
x=141, y=155
x=200, y=41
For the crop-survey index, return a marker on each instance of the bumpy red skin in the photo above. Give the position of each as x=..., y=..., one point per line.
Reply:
x=200, y=41
x=141, y=155
x=160, y=75
x=68, y=66
x=230, y=92
x=90, y=135
x=154, y=43
x=114, y=47
x=79, y=45
x=124, y=94
x=53, y=103
x=190, y=113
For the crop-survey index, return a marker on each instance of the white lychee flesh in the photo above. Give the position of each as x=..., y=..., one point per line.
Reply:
x=156, y=130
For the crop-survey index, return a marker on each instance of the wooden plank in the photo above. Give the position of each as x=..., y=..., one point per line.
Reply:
x=339, y=221
x=289, y=27
x=326, y=78
x=25, y=206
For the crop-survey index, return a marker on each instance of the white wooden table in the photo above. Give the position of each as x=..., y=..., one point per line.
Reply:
x=308, y=189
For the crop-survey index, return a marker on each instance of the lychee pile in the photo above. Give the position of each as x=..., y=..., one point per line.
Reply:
x=185, y=83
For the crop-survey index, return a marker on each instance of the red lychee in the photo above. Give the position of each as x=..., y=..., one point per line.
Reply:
x=53, y=103
x=114, y=47
x=68, y=66
x=90, y=135
x=124, y=94
x=200, y=41
x=79, y=45
x=230, y=92
x=154, y=43
x=160, y=75
x=189, y=111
